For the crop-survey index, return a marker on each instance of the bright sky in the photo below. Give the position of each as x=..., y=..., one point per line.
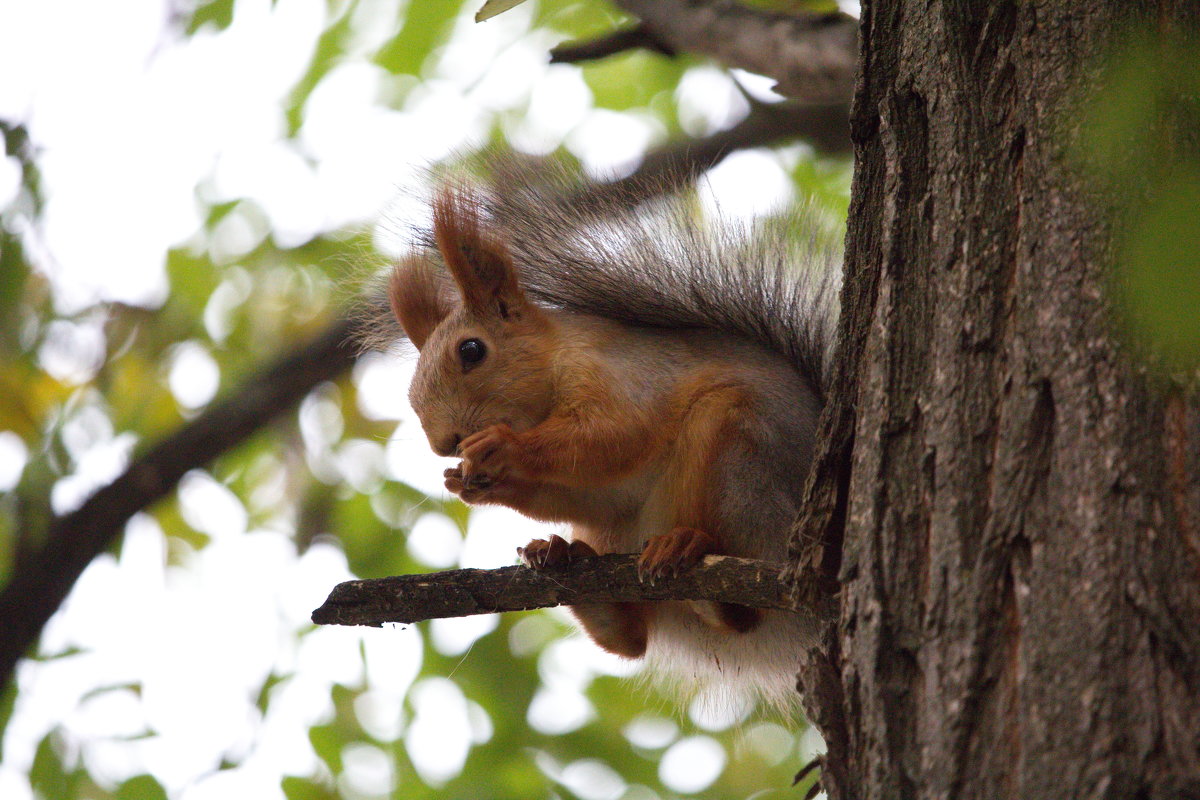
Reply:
x=133, y=125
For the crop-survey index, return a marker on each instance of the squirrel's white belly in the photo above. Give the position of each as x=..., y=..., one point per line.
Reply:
x=691, y=658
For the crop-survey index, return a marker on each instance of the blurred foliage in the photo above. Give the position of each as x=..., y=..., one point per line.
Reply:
x=1141, y=142
x=239, y=311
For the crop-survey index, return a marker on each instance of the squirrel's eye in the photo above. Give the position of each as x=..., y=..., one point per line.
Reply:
x=471, y=352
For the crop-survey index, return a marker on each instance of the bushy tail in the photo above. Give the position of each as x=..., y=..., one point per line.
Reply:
x=645, y=255
x=641, y=252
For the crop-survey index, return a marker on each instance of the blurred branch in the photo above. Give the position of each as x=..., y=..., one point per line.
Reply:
x=638, y=37
x=825, y=127
x=813, y=56
x=41, y=580
x=18, y=145
x=597, y=579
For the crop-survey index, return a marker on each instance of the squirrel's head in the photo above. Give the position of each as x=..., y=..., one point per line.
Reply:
x=485, y=348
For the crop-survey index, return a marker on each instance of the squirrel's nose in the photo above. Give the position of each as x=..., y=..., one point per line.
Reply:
x=449, y=445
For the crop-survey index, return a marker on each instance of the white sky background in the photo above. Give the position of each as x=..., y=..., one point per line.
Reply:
x=134, y=126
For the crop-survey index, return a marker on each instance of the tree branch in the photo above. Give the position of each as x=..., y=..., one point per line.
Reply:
x=618, y=41
x=812, y=56
x=42, y=579
x=825, y=127
x=597, y=579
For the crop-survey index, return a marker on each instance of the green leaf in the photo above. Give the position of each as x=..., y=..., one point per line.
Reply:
x=637, y=79
x=493, y=7
x=48, y=776
x=304, y=789
x=264, y=694
x=425, y=27
x=142, y=787
x=8, y=700
x=61, y=654
x=327, y=741
x=373, y=548
x=1159, y=273
x=331, y=48
x=14, y=271
x=579, y=20
x=218, y=13
x=136, y=688
x=1139, y=141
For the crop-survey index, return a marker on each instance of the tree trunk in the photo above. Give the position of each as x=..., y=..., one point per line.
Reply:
x=1016, y=499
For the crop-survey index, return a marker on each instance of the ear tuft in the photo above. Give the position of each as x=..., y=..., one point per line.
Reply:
x=477, y=258
x=420, y=296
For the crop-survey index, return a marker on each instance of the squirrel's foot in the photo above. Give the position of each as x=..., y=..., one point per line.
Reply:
x=490, y=453
x=553, y=552
x=671, y=553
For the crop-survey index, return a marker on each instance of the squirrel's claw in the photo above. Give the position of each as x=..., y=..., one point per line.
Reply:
x=489, y=452
x=553, y=552
x=469, y=488
x=671, y=553
x=454, y=480
x=545, y=553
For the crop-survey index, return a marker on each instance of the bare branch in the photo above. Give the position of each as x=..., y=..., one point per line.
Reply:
x=826, y=128
x=812, y=56
x=638, y=37
x=598, y=579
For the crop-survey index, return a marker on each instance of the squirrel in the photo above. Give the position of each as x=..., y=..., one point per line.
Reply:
x=604, y=359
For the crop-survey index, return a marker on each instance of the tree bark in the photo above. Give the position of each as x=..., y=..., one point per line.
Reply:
x=1014, y=501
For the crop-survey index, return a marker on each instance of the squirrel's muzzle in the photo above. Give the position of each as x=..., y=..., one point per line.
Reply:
x=446, y=445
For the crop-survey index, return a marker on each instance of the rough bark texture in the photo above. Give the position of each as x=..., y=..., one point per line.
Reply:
x=1020, y=529
x=598, y=579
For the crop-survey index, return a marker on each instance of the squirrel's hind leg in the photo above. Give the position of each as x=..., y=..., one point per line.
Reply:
x=619, y=628
x=713, y=409
x=681, y=549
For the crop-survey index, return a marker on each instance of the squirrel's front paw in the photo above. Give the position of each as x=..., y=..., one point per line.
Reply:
x=491, y=451
x=472, y=489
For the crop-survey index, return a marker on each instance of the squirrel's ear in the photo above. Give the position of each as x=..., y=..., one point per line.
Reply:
x=420, y=297
x=479, y=261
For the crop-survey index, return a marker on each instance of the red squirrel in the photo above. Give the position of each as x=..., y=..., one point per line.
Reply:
x=652, y=381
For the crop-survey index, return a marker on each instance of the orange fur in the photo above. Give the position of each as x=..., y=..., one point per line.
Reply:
x=620, y=628
x=704, y=408
x=479, y=262
x=417, y=297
